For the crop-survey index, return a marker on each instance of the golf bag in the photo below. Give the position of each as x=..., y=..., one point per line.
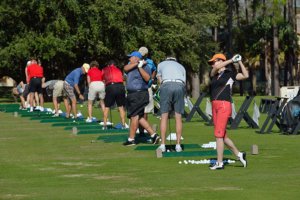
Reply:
x=291, y=114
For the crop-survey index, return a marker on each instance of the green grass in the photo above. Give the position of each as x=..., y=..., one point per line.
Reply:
x=40, y=161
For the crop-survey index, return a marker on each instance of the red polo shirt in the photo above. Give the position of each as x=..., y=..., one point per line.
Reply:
x=112, y=74
x=95, y=74
x=35, y=70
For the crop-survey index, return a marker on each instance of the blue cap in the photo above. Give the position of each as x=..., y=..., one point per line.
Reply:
x=136, y=54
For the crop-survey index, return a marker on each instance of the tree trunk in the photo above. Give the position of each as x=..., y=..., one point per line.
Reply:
x=275, y=68
x=229, y=27
x=195, y=85
x=292, y=55
x=254, y=80
x=267, y=70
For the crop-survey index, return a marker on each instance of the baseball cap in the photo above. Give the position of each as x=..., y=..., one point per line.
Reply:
x=217, y=56
x=143, y=51
x=86, y=67
x=136, y=54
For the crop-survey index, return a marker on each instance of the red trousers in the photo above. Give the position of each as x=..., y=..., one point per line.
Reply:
x=221, y=112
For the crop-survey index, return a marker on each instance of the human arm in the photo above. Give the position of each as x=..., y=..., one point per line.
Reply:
x=88, y=78
x=130, y=66
x=216, y=68
x=244, y=72
x=78, y=92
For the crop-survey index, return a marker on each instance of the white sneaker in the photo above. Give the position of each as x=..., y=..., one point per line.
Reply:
x=162, y=147
x=88, y=120
x=242, y=158
x=42, y=109
x=217, y=166
x=178, y=148
x=55, y=115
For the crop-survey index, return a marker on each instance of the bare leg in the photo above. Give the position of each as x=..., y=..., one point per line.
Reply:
x=145, y=124
x=163, y=127
x=102, y=105
x=41, y=99
x=220, y=149
x=31, y=96
x=36, y=97
x=68, y=108
x=105, y=116
x=133, y=126
x=55, y=104
x=178, y=120
x=22, y=102
x=122, y=114
x=90, y=111
x=228, y=142
x=74, y=108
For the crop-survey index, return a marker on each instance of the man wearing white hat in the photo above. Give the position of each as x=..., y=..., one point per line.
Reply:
x=149, y=62
x=71, y=86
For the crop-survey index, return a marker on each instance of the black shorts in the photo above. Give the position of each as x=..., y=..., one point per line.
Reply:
x=115, y=93
x=136, y=103
x=35, y=85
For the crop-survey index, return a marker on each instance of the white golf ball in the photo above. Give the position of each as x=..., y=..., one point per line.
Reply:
x=179, y=162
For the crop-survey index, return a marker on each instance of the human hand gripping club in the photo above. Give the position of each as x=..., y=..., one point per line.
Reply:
x=236, y=58
x=141, y=63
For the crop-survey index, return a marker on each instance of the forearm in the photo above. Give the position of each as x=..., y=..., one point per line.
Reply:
x=77, y=89
x=219, y=66
x=144, y=74
x=244, y=72
x=130, y=66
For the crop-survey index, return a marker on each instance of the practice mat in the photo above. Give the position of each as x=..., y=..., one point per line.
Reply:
x=100, y=131
x=154, y=147
x=194, y=153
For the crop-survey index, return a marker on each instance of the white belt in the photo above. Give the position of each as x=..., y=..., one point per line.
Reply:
x=173, y=80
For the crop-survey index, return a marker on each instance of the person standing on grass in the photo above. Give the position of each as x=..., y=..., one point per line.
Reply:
x=172, y=76
x=54, y=88
x=34, y=74
x=115, y=92
x=222, y=79
x=96, y=87
x=71, y=86
x=150, y=107
x=22, y=91
x=138, y=76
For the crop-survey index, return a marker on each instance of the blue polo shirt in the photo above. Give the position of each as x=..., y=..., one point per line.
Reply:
x=152, y=66
x=73, y=78
x=135, y=80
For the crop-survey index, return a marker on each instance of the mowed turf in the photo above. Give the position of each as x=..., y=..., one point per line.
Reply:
x=41, y=161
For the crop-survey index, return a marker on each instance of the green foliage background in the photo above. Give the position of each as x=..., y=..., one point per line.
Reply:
x=64, y=34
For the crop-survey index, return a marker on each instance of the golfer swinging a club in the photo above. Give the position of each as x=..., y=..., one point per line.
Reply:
x=222, y=79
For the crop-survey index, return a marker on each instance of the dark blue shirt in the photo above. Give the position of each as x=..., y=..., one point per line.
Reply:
x=135, y=80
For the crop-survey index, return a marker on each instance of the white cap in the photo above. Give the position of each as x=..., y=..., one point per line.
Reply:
x=86, y=67
x=143, y=51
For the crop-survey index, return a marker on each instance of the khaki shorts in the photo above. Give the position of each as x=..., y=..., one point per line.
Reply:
x=58, y=89
x=150, y=107
x=69, y=91
x=96, y=88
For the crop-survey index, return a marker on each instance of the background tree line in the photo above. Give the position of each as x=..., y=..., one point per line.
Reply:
x=65, y=33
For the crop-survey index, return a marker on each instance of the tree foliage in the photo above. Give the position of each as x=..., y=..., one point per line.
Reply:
x=66, y=33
